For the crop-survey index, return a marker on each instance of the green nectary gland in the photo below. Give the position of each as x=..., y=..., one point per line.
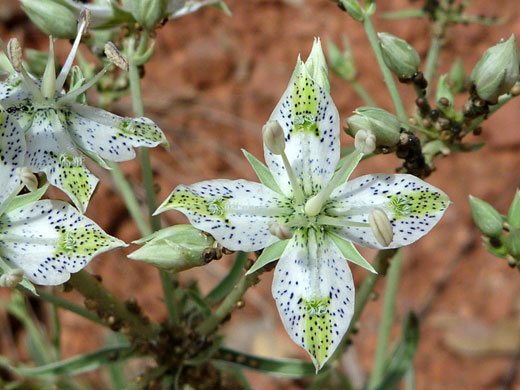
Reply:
x=317, y=326
x=416, y=202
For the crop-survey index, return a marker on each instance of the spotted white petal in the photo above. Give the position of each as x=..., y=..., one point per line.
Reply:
x=412, y=206
x=12, y=91
x=314, y=293
x=310, y=122
x=50, y=149
x=12, y=155
x=237, y=213
x=49, y=240
x=110, y=136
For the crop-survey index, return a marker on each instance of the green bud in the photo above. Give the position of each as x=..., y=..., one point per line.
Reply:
x=513, y=243
x=148, y=13
x=443, y=95
x=176, y=248
x=457, y=76
x=76, y=80
x=354, y=9
x=488, y=220
x=51, y=17
x=498, y=251
x=341, y=62
x=383, y=125
x=399, y=56
x=497, y=71
x=317, y=66
x=513, y=215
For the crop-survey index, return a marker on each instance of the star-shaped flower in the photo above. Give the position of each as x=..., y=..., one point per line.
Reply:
x=59, y=130
x=306, y=213
x=47, y=239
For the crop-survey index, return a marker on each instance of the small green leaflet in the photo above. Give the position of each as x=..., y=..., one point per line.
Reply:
x=350, y=252
x=271, y=253
x=264, y=174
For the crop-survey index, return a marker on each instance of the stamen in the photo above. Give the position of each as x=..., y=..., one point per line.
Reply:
x=83, y=23
x=116, y=57
x=340, y=222
x=28, y=178
x=12, y=278
x=280, y=231
x=72, y=95
x=365, y=142
x=381, y=227
x=298, y=193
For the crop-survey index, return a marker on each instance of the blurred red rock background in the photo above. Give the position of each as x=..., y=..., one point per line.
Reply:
x=213, y=82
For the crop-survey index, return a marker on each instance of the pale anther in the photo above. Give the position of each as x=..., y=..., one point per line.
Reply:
x=28, y=178
x=85, y=18
x=274, y=138
x=280, y=231
x=14, y=51
x=12, y=278
x=365, y=142
x=116, y=57
x=381, y=227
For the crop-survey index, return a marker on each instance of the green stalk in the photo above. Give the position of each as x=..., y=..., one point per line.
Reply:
x=432, y=59
x=56, y=329
x=144, y=155
x=387, y=75
x=363, y=294
x=362, y=93
x=387, y=321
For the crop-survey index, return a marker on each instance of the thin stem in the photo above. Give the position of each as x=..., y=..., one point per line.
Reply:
x=131, y=202
x=362, y=93
x=108, y=305
x=56, y=329
x=228, y=304
x=380, y=264
x=387, y=75
x=149, y=186
x=387, y=321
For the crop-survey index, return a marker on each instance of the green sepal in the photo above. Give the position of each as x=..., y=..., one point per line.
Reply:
x=488, y=220
x=25, y=199
x=513, y=243
x=352, y=160
x=271, y=253
x=350, y=252
x=264, y=174
x=513, y=215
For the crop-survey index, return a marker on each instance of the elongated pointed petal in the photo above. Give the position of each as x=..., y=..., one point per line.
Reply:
x=237, y=213
x=50, y=149
x=50, y=239
x=12, y=155
x=412, y=206
x=314, y=293
x=110, y=136
x=310, y=122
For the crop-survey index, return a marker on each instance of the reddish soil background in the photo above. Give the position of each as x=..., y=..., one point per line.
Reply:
x=214, y=81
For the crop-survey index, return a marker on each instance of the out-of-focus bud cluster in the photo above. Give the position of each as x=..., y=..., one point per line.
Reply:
x=501, y=232
x=341, y=62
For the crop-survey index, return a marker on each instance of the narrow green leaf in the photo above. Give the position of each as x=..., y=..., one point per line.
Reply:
x=402, y=358
x=227, y=284
x=285, y=367
x=30, y=197
x=350, y=252
x=79, y=364
x=271, y=253
x=264, y=174
x=405, y=13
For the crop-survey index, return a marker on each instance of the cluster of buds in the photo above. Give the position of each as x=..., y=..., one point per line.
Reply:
x=501, y=232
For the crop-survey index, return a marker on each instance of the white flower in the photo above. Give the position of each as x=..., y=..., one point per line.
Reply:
x=57, y=127
x=305, y=192
x=47, y=239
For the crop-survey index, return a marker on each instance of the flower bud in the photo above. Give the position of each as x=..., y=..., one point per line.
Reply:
x=381, y=227
x=497, y=71
x=176, y=248
x=488, y=220
x=317, y=66
x=274, y=138
x=12, y=278
x=148, y=13
x=341, y=63
x=354, y=9
x=443, y=95
x=399, y=56
x=513, y=243
x=513, y=215
x=457, y=76
x=383, y=125
x=51, y=17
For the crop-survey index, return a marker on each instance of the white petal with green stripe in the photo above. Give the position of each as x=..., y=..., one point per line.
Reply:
x=49, y=240
x=412, y=206
x=314, y=293
x=310, y=122
x=237, y=213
